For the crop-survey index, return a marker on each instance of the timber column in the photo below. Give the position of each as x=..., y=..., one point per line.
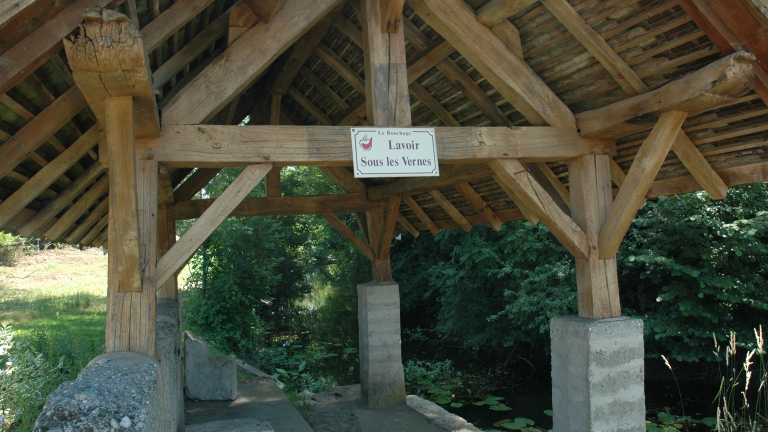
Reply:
x=388, y=103
x=597, y=357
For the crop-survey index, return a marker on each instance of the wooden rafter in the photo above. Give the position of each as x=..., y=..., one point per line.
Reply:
x=422, y=215
x=250, y=55
x=480, y=206
x=452, y=211
x=514, y=80
x=350, y=235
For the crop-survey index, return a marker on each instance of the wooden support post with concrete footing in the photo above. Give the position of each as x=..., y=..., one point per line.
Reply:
x=381, y=370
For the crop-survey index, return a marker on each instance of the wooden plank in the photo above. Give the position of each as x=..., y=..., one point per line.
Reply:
x=218, y=146
x=391, y=15
x=241, y=18
x=278, y=206
x=494, y=11
x=698, y=166
x=68, y=219
x=164, y=186
x=511, y=77
x=527, y=212
x=392, y=211
x=250, y=55
x=46, y=176
x=407, y=225
x=597, y=46
x=50, y=211
x=321, y=86
x=108, y=60
x=26, y=56
x=452, y=211
x=201, y=42
x=344, y=178
x=639, y=179
x=433, y=104
x=30, y=137
x=341, y=67
x=166, y=238
x=480, y=206
x=423, y=217
x=350, y=235
x=381, y=268
x=617, y=174
x=272, y=179
x=719, y=83
x=596, y=279
x=349, y=30
x=209, y=220
x=187, y=190
x=528, y=191
x=265, y=9
x=146, y=192
x=274, y=111
x=92, y=219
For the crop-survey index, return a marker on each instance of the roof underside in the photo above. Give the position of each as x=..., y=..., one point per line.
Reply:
x=657, y=39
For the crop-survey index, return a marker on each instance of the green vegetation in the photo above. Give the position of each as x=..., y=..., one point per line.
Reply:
x=52, y=307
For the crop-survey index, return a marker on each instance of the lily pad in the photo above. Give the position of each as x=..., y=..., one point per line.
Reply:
x=443, y=399
x=665, y=417
x=709, y=421
x=457, y=404
x=549, y=412
x=500, y=407
x=518, y=424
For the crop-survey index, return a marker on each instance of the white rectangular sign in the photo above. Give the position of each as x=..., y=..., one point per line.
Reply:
x=394, y=152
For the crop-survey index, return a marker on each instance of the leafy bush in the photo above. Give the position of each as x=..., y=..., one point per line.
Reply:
x=418, y=370
x=26, y=379
x=693, y=267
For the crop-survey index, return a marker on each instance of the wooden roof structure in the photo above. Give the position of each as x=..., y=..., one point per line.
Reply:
x=669, y=95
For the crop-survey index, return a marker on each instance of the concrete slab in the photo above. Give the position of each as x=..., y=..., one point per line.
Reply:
x=341, y=409
x=257, y=398
x=240, y=425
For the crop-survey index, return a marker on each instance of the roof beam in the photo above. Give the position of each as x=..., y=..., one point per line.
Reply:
x=717, y=84
x=495, y=11
x=248, y=57
x=533, y=197
x=47, y=175
x=423, y=217
x=480, y=206
x=65, y=222
x=61, y=201
x=40, y=128
x=698, y=166
x=405, y=223
x=98, y=212
x=218, y=146
x=511, y=77
x=108, y=60
x=265, y=9
x=452, y=211
x=597, y=46
x=632, y=193
x=527, y=213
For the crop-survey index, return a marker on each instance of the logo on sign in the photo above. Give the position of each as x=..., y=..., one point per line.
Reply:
x=366, y=143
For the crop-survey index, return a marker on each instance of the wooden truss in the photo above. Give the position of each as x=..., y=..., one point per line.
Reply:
x=151, y=106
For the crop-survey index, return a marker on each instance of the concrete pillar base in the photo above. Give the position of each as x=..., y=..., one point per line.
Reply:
x=381, y=366
x=597, y=374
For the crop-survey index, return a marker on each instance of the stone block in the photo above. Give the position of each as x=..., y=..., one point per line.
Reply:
x=381, y=367
x=208, y=377
x=597, y=374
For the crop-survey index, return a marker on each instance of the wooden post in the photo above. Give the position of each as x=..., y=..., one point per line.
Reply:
x=166, y=238
x=131, y=299
x=591, y=198
x=388, y=103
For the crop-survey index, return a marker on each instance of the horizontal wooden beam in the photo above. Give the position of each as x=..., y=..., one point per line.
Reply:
x=494, y=11
x=719, y=83
x=219, y=146
x=735, y=176
x=279, y=206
